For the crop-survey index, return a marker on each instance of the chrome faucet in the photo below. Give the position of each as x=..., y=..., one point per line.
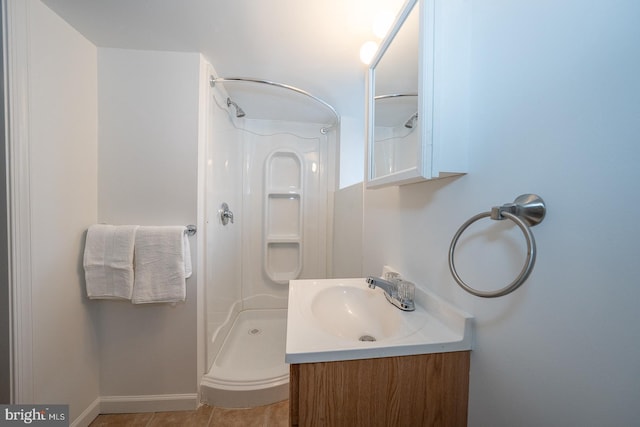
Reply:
x=395, y=292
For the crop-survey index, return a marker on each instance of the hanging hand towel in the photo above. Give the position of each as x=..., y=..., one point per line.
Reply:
x=186, y=250
x=162, y=262
x=108, y=261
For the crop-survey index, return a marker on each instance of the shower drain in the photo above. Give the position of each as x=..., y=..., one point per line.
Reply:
x=255, y=331
x=367, y=338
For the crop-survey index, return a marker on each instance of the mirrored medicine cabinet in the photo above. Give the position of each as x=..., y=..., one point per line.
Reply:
x=407, y=115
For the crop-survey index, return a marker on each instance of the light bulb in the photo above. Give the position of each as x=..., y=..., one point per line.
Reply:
x=367, y=50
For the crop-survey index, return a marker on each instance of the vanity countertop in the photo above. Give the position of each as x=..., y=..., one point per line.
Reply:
x=343, y=319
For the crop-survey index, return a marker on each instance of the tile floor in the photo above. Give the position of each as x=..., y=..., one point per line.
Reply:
x=276, y=415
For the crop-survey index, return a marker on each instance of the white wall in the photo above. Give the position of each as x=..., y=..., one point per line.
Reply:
x=5, y=303
x=554, y=111
x=147, y=174
x=351, y=163
x=63, y=183
x=347, y=232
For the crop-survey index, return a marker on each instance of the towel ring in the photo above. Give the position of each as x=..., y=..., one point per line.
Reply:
x=526, y=211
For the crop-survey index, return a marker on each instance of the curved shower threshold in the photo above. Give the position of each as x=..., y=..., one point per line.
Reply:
x=250, y=370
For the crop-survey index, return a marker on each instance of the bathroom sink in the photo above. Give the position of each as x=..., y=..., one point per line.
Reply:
x=343, y=319
x=361, y=314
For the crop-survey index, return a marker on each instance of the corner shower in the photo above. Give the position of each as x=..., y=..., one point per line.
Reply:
x=270, y=174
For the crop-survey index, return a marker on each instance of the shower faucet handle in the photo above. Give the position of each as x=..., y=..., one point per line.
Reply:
x=225, y=214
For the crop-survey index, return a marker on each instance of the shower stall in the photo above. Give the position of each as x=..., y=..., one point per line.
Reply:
x=270, y=175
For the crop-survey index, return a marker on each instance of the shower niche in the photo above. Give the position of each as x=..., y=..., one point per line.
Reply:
x=283, y=216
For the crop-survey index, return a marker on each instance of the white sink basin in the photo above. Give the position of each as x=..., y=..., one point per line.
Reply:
x=359, y=313
x=343, y=319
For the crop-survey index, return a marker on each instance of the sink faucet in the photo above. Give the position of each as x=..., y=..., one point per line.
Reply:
x=392, y=292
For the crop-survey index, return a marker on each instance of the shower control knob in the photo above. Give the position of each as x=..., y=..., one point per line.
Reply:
x=225, y=214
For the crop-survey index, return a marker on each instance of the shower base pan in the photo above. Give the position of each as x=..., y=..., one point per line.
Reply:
x=250, y=370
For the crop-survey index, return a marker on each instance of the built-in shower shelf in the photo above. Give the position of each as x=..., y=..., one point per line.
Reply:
x=283, y=216
x=284, y=192
x=283, y=239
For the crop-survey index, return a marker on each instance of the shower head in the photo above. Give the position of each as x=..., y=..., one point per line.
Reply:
x=239, y=111
x=409, y=124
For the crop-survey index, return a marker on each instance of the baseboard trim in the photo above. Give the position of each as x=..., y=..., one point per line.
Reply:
x=148, y=403
x=88, y=415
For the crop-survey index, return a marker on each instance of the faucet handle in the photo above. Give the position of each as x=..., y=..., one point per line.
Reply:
x=391, y=276
x=406, y=290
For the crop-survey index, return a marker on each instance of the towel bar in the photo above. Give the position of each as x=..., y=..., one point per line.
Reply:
x=191, y=230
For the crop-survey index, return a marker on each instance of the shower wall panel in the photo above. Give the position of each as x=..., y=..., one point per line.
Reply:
x=282, y=215
x=285, y=199
x=223, y=242
x=395, y=149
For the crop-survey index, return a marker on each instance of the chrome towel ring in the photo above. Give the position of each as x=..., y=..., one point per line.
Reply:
x=526, y=211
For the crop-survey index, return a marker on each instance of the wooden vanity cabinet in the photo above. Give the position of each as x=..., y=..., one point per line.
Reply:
x=418, y=390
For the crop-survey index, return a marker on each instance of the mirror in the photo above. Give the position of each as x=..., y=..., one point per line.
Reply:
x=399, y=112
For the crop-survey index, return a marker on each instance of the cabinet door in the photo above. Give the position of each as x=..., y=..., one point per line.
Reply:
x=400, y=100
x=421, y=390
x=418, y=96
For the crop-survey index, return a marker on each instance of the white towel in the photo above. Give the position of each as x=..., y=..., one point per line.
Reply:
x=108, y=261
x=188, y=270
x=162, y=263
